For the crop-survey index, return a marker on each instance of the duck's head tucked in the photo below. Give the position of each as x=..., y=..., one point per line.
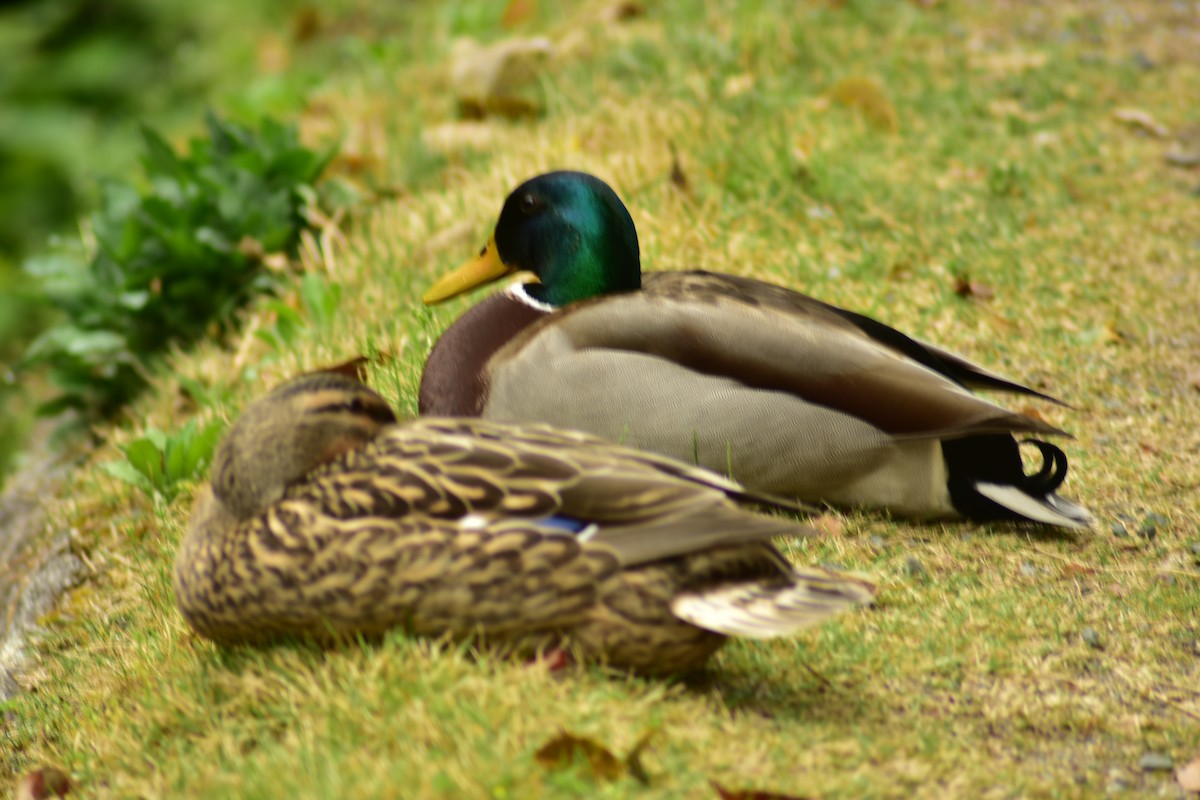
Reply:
x=568, y=230
x=282, y=437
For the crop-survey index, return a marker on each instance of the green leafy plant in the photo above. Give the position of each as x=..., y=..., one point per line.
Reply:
x=174, y=261
x=158, y=463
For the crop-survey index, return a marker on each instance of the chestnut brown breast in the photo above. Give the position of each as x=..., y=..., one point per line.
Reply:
x=455, y=380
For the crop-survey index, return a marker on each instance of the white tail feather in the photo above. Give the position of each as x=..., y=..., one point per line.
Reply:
x=759, y=611
x=1052, y=510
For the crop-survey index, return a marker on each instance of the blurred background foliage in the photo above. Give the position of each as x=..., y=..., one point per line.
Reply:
x=77, y=80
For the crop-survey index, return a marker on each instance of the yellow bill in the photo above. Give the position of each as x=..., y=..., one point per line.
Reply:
x=483, y=269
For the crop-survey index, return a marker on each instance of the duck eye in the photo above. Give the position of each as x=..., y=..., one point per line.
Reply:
x=530, y=204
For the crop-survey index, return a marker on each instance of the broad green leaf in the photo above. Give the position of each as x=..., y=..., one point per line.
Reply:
x=125, y=471
x=175, y=456
x=147, y=459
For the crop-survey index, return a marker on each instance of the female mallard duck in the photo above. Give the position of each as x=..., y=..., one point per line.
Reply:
x=325, y=518
x=789, y=395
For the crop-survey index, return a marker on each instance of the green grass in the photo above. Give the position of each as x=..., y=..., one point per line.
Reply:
x=971, y=680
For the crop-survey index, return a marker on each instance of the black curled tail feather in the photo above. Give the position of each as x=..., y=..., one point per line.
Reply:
x=1053, y=471
x=995, y=460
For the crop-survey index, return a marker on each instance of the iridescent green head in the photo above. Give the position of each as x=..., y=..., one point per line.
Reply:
x=569, y=230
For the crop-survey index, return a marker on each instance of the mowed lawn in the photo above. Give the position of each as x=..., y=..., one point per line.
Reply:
x=993, y=177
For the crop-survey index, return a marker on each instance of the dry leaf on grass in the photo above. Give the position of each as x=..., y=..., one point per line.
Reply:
x=623, y=10
x=518, y=11
x=1141, y=120
x=487, y=80
x=1185, y=152
x=751, y=794
x=1071, y=568
x=306, y=23
x=1033, y=413
x=965, y=287
x=1192, y=379
x=678, y=178
x=1189, y=776
x=1180, y=156
x=567, y=750
x=828, y=524
x=867, y=97
x=44, y=783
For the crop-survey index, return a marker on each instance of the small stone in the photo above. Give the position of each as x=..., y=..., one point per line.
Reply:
x=1196, y=548
x=1151, y=524
x=914, y=568
x=1120, y=531
x=1028, y=570
x=1091, y=638
x=878, y=543
x=1156, y=762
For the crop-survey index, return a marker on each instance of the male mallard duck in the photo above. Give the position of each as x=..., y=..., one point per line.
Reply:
x=789, y=395
x=325, y=518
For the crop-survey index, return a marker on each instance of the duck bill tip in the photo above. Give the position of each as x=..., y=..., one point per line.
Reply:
x=478, y=271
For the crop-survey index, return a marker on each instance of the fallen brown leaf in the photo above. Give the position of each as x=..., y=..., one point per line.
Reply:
x=965, y=287
x=1192, y=378
x=623, y=10
x=678, y=179
x=1189, y=776
x=1181, y=156
x=487, y=79
x=1033, y=414
x=567, y=750
x=306, y=23
x=751, y=794
x=867, y=97
x=828, y=524
x=44, y=783
x=518, y=11
x=1142, y=121
x=507, y=107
